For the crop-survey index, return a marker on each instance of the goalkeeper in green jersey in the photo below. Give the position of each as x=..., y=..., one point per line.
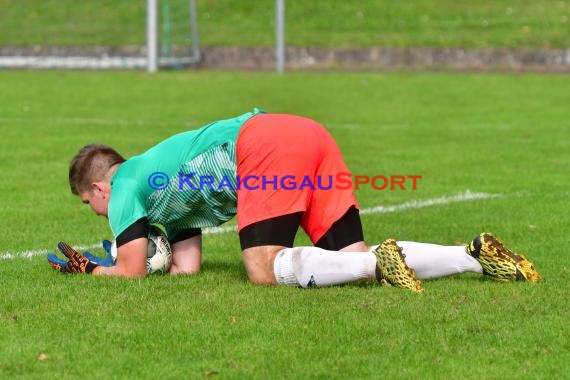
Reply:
x=253, y=165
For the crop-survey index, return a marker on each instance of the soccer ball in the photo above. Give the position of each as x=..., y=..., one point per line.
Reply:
x=159, y=253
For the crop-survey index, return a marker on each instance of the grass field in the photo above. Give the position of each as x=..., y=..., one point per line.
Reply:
x=333, y=23
x=505, y=136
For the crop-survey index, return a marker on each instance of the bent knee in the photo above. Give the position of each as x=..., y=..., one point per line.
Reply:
x=259, y=264
x=356, y=247
x=183, y=271
x=261, y=278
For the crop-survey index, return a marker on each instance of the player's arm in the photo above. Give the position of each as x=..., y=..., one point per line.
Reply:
x=132, y=246
x=187, y=252
x=131, y=260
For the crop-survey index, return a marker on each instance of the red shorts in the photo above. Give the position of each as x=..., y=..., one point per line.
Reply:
x=279, y=157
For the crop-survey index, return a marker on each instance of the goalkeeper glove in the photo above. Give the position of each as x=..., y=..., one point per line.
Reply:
x=106, y=261
x=76, y=262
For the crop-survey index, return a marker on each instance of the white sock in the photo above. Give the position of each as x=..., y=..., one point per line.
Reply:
x=432, y=260
x=312, y=266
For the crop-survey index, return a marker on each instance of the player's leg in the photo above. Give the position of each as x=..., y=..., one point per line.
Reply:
x=332, y=221
x=434, y=261
x=317, y=266
x=426, y=260
x=273, y=263
x=270, y=259
x=268, y=147
x=485, y=254
x=186, y=252
x=346, y=236
x=268, y=215
x=261, y=241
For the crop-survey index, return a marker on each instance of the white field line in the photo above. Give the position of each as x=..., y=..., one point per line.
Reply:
x=41, y=252
x=465, y=196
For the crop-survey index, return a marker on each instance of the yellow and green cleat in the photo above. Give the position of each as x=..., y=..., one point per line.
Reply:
x=392, y=270
x=499, y=262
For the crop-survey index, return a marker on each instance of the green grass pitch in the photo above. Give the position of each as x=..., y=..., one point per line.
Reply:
x=503, y=135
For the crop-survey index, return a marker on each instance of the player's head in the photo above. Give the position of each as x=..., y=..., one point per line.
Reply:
x=90, y=172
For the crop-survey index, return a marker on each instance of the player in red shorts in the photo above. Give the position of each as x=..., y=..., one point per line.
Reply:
x=286, y=166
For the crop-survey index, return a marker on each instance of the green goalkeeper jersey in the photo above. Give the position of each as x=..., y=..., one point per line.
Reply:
x=186, y=181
